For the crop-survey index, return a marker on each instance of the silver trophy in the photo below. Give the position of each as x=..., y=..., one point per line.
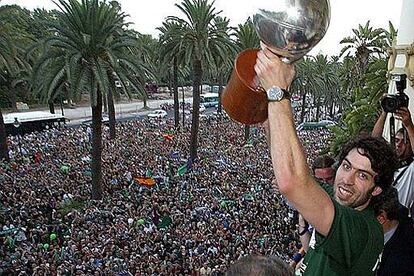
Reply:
x=290, y=29
x=293, y=27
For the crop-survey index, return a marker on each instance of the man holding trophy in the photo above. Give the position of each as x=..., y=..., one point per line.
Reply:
x=347, y=239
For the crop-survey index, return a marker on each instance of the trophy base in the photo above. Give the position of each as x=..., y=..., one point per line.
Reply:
x=243, y=100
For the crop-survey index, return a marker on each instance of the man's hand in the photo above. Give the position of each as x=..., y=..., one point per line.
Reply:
x=404, y=115
x=272, y=71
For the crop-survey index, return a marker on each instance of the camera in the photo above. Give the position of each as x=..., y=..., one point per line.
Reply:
x=392, y=102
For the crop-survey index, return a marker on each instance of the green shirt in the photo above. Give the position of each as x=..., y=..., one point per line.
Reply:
x=352, y=247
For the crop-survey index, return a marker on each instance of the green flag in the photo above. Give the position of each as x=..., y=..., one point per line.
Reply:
x=249, y=144
x=248, y=197
x=182, y=170
x=148, y=173
x=165, y=222
x=64, y=169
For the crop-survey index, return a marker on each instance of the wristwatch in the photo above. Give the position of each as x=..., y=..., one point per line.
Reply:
x=276, y=94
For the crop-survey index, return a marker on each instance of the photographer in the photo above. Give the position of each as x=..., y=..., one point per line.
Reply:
x=404, y=138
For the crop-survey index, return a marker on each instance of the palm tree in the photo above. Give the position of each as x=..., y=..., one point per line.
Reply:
x=12, y=75
x=147, y=52
x=90, y=34
x=224, y=64
x=366, y=41
x=171, y=52
x=363, y=88
x=6, y=64
x=201, y=40
x=328, y=82
x=306, y=83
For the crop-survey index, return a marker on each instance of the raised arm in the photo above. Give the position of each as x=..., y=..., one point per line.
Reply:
x=379, y=125
x=404, y=115
x=288, y=159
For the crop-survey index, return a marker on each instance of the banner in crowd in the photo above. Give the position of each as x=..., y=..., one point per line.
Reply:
x=185, y=168
x=168, y=137
x=165, y=222
x=145, y=181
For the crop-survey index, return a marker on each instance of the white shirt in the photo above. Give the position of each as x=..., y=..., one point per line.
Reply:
x=405, y=185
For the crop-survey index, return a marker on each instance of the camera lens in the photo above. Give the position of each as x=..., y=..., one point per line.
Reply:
x=389, y=104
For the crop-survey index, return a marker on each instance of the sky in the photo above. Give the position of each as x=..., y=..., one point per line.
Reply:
x=147, y=15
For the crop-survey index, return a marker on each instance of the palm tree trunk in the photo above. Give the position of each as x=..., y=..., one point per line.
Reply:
x=111, y=113
x=97, y=147
x=318, y=109
x=170, y=82
x=246, y=133
x=144, y=99
x=13, y=99
x=4, y=151
x=105, y=104
x=331, y=109
x=221, y=83
x=175, y=87
x=196, y=108
x=51, y=106
x=302, y=113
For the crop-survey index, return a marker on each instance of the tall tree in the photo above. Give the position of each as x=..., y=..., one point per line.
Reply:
x=95, y=47
x=365, y=42
x=363, y=79
x=13, y=67
x=201, y=40
x=172, y=53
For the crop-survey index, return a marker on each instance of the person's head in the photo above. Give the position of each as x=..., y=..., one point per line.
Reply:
x=366, y=168
x=402, y=144
x=257, y=265
x=386, y=206
x=323, y=170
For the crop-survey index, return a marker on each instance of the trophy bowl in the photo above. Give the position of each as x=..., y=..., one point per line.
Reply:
x=293, y=27
x=290, y=29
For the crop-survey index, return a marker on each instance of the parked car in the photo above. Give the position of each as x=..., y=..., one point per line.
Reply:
x=105, y=121
x=159, y=113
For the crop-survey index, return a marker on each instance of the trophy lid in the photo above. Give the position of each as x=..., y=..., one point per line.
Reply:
x=292, y=29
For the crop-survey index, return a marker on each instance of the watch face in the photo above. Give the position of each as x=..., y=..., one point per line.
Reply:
x=275, y=94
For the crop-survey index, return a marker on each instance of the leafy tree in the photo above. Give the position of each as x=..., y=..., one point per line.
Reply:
x=365, y=42
x=364, y=80
x=172, y=53
x=201, y=40
x=94, y=45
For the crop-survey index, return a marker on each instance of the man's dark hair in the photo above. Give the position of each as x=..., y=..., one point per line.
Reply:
x=402, y=130
x=258, y=265
x=322, y=162
x=381, y=155
x=388, y=202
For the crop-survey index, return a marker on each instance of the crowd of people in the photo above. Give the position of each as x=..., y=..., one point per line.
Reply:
x=195, y=222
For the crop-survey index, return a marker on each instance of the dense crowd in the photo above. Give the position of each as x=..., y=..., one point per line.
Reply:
x=196, y=222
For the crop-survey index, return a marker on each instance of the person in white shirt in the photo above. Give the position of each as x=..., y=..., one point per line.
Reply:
x=404, y=138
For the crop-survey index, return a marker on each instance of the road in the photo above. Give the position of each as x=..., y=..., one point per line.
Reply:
x=126, y=111
x=123, y=110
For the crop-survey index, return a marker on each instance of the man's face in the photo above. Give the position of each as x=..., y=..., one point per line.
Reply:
x=325, y=174
x=403, y=149
x=354, y=182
